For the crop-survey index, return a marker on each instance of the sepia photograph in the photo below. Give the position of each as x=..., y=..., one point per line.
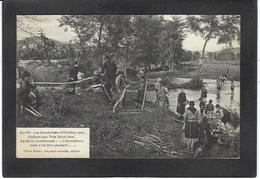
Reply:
x=146, y=86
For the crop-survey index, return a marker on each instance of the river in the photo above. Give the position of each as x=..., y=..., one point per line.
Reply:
x=225, y=99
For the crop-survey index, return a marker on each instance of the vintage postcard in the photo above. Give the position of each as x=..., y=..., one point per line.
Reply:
x=128, y=86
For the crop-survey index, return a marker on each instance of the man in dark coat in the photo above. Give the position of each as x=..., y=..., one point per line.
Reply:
x=109, y=71
x=181, y=103
x=73, y=72
x=108, y=74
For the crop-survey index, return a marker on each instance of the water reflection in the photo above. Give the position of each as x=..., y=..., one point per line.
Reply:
x=224, y=97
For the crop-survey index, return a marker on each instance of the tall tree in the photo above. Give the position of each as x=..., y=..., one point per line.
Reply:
x=45, y=47
x=147, y=30
x=207, y=26
x=170, y=42
x=85, y=29
x=224, y=28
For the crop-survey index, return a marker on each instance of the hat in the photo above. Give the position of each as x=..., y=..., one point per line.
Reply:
x=191, y=103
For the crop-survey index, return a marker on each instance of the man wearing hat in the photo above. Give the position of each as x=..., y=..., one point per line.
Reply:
x=109, y=71
x=73, y=75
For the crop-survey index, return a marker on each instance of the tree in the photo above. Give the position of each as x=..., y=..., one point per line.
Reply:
x=187, y=55
x=119, y=37
x=224, y=28
x=45, y=47
x=229, y=29
x=196, y=55
x=207, y=26
x=170, y=43
x=85, y=29
x=147, y=29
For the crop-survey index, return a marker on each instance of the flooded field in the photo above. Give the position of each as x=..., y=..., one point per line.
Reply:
x=225, y=100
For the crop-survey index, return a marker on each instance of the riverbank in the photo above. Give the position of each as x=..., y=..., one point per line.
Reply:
x=211, y=70
x=128, y=133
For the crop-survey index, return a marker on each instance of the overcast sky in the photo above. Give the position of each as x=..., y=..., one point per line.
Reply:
x=50, y=26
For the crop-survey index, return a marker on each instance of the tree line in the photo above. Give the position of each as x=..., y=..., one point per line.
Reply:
x=134, y=40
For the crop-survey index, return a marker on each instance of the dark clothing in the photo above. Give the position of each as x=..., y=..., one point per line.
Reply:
x=191, y=130
x=181, y=103
x=203, y=131
x=73, y=86
x=109, y=69
x=202, y=106
x=140, y=96
x=226, y=115
x=204, y=93
x=140, y=90
x=73, y=76
x=209, y=107
x=192, y=109
x=218, y=87
x=232, y=87
x=23, y=93
x=106, y=87
x=73, y=72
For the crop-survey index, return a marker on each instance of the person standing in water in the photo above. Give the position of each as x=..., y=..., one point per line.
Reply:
x=232, y=88
x=204, y=93
x=181, y=103
x=202, y=105
x=209, y=109
x=218, y=89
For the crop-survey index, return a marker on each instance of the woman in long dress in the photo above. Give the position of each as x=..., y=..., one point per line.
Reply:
x=181, y=103
x=191, y=130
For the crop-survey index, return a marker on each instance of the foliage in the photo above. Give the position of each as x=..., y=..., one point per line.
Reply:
x=225, y=28
x=145, y=41
x=147, y=29
x=170, y=43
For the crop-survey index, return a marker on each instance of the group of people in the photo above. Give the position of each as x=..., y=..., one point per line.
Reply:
x=220, y=83
x=196, y=120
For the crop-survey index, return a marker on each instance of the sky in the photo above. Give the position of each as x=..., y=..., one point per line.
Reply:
x=50, y=25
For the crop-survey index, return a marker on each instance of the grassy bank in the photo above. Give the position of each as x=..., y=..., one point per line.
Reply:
x=212, y=70
x=129, y=133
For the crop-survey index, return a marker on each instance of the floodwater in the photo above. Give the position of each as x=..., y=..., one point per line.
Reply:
x=225, y=99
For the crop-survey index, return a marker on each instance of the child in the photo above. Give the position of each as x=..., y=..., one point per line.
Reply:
x=204, y=93
x=80, y=76
x=120, y=81
x=209, y=109
x=163, y=99
x=181, y=103
x=202, y=105
x=141, y=83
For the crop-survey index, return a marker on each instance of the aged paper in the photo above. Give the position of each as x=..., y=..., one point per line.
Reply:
x=52, y=143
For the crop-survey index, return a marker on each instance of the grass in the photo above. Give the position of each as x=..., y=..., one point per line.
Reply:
x=212, y=70
x=112, y=135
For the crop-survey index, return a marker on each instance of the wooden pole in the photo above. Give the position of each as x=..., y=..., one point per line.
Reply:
x=144, y=95
x=61, y=83
x=119, y=100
